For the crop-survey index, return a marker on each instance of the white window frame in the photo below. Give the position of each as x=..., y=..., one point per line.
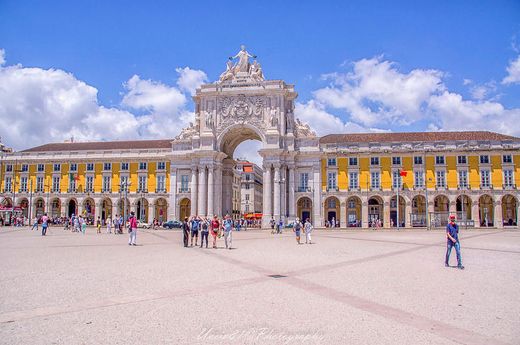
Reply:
x=353, y=180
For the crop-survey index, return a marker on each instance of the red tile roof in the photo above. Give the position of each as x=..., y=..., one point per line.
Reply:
x=104, y=145
x=414, y=137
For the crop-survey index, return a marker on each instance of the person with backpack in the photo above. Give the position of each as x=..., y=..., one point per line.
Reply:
x=195, y=225
x=227, y=226
x=297, y=227
x=45, y=224
x=215, y=228
x=204, y=231
x=308, y=230
x=185, y=231
x=132, y=229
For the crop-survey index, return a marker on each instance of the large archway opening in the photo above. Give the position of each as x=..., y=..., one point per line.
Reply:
x=184, y=209
x=332, y=206
x=509, y=210
x=375, y=212
x=418, y=216
x=486, y=209
x=354, y=212
x=304, y=211
x=397, y=211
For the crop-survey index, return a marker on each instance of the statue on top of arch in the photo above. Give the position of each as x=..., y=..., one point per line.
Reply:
x=242, y=68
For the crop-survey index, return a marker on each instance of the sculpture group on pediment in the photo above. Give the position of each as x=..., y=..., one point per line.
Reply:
x=188, y=132
x=242, y=67
x=303, y=129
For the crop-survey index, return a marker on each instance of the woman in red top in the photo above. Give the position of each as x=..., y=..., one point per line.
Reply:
x=215, y=227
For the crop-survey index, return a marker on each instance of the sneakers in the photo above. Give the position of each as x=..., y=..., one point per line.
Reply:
x=446, y=265
x=460, y=267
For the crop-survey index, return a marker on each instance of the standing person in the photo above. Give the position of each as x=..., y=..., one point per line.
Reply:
x=109, y=226
x=98, y=225
x=452, y=237
x=204, y=231
x=215, y=228
x=45, y=224
x=227, y=225
x=308, y=230
x=272, y=222
x=185, y=231
x=35, y=223
x=297, y=227
x=195, y=225
x=83, y=223
x=132, y=229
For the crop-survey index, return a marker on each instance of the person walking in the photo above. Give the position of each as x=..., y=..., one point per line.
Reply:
x=227, y=224
x=132, y=229
x=204, y=231
x=45, y=224
x=109, y=226
x=215, y=228
x=452, y=239
x=308, y=230
x=35, y=223
x=83, y=223
x=185, y=231
x=195, y=225
x=98, y=225
x=297, y=227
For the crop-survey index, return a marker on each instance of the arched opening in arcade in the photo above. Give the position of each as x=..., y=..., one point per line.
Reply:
x=55, y=208
x=24, y=206
x=89, y=210
x=72, y=208
x=184, y=208
x=142, y=210
x=304, y=209
x=375, y=211
x=394, y=214
x=463, y=208
x=418, y=216
x=123, y=207
x=332, y=212
x=160, y=210
x=509, y=210
x=441, y=214
x=486, y=210
x=354, y=212
x=6, y=202
x=39, y=207
x=106, y=209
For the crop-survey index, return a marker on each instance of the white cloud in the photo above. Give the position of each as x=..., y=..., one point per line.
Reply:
x=2, y=57
x=190, y=79
x=513, y=72
x=248, y=150
x=39, y=106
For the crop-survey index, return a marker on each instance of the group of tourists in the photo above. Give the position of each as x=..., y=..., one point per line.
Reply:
x=217, y=227
x=307, y=229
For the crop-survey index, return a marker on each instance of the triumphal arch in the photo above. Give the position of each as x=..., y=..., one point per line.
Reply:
x=244, y=105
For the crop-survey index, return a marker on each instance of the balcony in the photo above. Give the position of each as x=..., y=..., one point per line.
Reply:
x=463, y=187
x=486, y=186
x=105, y=191
x=375, y=188
x=303, y=189
x=441, y=188
x=509, y=186
x=7, y=190
x=160, y=190
x=354, y=189
x=332, y=189
x=184, y=190
x=142, y=190
x=89, y=190
x=72, y=190
x=22, y=190
x=419, y=187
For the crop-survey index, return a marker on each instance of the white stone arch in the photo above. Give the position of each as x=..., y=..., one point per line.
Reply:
x=223, y=137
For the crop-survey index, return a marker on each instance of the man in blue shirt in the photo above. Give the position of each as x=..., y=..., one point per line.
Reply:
x=195, y=225
x=452, y=237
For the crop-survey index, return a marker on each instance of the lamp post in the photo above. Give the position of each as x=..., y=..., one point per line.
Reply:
x=30, y=200
x=280, y=182
x=124, y=187
x=48, y=186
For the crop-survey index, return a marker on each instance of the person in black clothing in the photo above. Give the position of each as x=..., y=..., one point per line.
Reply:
x=185, y=231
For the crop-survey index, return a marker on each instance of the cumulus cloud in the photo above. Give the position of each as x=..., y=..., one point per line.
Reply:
x=513, y=72
x=2, y=57
x=38, y=106
x=190, y=79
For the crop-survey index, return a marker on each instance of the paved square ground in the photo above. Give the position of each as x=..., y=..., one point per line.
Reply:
x=363, y=287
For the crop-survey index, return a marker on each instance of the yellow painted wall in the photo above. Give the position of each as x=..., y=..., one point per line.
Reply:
x=152, y=173
x=81, y=183
x=167, y=178
x=451, y=172
x=342, y=173
x=430, y=172
x=516, y=161
x=133, y=177
x=98, y=179
x=386, y=172
x=474, y=173
x=364, y=172
x=407, y=163
x=324, y=174
x=496, y=172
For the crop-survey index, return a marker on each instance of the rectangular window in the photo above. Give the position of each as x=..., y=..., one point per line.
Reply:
x=331, y=181
x=247, y=197
x=41, y=167
x=396, y=179
x=161, y=165
x=507, y=159
x=143, y=165
x=123, y=185
x=8, y=184
x=107, y=166
x=141, y=187
x=419, y=179
x=72, y=184
x=90, y=166
x=161, y=186
x=124, y=166
x=247, y=208
x=508, y=178
x=107, y=184
x=55, y=184
x=396, y=160
x=352, y=161
x=8, y=167
x=56, y=167
x=73, y=167
x=441, y=178
x=247, y=186
x=484, y=159
x=484, y=179
x=462, y=160
x=331, y=162
x=375, y=180
x=353, y=180
x=374, y=160
x=418, y=160
x=463, y=179
x=25, y=167
x=185, y=182
x=439, y=160
x=304, y=182
x=23, y=184
x=248, y=177
x=89, y=186
x=39, y=184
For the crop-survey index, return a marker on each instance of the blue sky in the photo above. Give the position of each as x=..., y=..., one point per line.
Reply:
x=460, y=52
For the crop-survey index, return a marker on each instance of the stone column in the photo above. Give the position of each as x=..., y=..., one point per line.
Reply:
x=218, y=190
x=172, y=199
x=283, y=193
x=64, y=208
x=408, y=214
x=316, y=202
x=497, y=215
x=276, y=194
x=211, y=189
x=475, y=213
x=364, y=214
x=453, y=208
x=386, y=214
x=193, y=191
x=202, y=192
x=267, y=196
x=151, y=213
x=292, y=186
x=342, y=214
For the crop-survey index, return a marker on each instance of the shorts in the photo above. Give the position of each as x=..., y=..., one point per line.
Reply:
x=297, y=233
x=194, y=232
